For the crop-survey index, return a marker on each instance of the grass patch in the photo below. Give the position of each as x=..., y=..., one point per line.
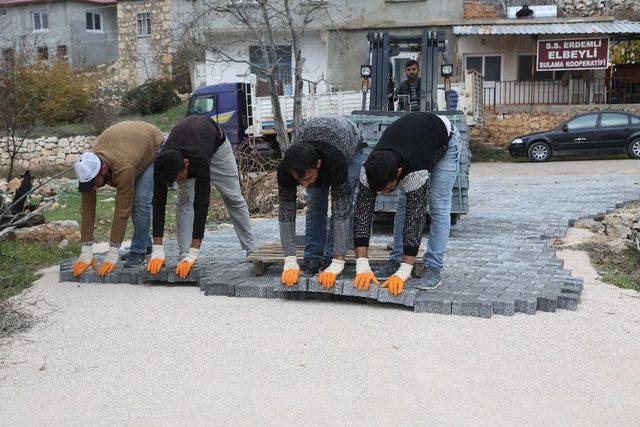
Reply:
x=69, y=209
x=481, y=154
x=163, y=121
x=618, y=268
x=19, y=263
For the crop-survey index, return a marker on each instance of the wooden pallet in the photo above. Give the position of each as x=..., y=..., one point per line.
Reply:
x=271, y=253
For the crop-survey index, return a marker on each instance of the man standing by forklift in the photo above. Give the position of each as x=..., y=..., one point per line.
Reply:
x=409, y=90
x=418, y=154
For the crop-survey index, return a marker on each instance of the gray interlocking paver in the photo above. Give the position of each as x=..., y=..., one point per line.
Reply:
x=498, y=261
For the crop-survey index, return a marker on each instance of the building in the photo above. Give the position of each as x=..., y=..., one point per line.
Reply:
x=505, y=50
x=80, y=32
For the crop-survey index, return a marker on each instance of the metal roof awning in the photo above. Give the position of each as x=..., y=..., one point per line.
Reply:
x=521, y=28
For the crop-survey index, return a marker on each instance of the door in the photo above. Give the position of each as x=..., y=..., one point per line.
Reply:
x=579, y=134
x=613, y=131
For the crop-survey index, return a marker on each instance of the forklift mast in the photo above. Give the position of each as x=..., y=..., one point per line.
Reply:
x=431, y=45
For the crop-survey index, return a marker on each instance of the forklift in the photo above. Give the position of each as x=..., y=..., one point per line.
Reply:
x=432, y=49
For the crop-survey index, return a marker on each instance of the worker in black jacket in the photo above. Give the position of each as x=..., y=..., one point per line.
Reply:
x=196, y=155
x=417, y=154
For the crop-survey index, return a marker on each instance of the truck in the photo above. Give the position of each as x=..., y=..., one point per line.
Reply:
x=242, y=114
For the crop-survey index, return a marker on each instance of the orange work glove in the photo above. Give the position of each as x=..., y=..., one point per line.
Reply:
x=157, y=260
x=110, y=261
x=328, y=277
x=184, y=267
x=85, y=260
x=395, y=283
x=364, y=275
x=290, y=271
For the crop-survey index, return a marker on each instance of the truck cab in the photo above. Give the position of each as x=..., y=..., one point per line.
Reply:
x=226, y=103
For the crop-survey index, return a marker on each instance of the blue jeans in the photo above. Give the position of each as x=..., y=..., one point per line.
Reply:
x=442, y=179
x=318, y=242
x=141, y=211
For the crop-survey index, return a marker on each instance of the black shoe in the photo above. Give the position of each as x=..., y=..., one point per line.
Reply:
x=135, y=260
x=432, y=279
x=310, y=267
x=387, y=271
x=125, y=257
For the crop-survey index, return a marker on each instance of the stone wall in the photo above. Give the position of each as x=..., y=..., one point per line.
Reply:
x=500, y=128
x=144, y=57
x=51, y=152
x=494, y=9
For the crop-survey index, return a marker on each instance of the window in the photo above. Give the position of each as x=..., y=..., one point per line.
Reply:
x=61, y=52
x=40, y=21
x=527, y=63
x=614, y=119
x=283, y=68
x=583, y=122
x=635, y=120
x=488, y=65
x=144, y=24
x=203, y=104
x=42, y=53
x=3, y=13
x=94, y=21
x=8, y=56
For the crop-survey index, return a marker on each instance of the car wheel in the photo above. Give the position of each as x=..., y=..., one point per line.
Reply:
x=634, y=149
x=539, y=152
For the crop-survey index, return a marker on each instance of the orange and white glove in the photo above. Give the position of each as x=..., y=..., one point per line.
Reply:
x=157, y=260
x=328, y=277
x=290, y=271
x=395, y=283
x=85, y=260
x=364, y=275
x=110, y=261
x=184, y=267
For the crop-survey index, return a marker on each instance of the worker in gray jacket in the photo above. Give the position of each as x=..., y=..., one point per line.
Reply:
x=326, y=156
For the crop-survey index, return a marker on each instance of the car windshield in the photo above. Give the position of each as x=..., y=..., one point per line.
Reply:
x=582, y=122
x=202, y=104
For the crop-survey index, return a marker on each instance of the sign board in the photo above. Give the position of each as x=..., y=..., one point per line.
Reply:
x=575, y=54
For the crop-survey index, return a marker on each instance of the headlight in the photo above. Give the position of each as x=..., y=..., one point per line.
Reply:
x=365, y=71
x=446, y=70
x=517, y=141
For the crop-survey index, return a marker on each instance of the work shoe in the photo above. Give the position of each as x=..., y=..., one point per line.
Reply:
x=125, y=257
x=310, y=267
x=135, y=260
x=387, y=271
x=431, y=279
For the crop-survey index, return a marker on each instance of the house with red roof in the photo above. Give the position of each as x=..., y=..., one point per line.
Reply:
x=80, y=32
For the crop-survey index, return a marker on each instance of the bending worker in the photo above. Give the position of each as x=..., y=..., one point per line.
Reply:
x=122, y=158
x=196, y=155
x=417, y=154
x=326, y=156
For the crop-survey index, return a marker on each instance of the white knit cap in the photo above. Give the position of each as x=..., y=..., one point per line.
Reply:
x=87, y=168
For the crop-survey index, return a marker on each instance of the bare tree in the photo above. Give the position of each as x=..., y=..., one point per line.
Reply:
x=266, y=24
x=18, y=95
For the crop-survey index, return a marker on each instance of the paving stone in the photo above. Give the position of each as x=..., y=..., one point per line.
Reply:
x=407, y=297
x=547, y=302
x=504, y=305
x=217, y=286
x=568, y=301
x=433, y=302
x=527, y=304
x=349, y=290
x=301, y=286
x=314, y=286
x=465, y=305
x=249, y=289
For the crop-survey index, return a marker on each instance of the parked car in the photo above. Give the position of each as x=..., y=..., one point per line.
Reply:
x=603, y=132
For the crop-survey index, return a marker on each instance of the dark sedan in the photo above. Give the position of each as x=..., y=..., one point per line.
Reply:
x=604, y=132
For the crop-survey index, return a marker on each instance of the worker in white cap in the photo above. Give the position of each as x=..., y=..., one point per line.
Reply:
x=121, y=158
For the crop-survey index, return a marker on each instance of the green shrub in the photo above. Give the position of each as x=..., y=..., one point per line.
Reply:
x=152, y=97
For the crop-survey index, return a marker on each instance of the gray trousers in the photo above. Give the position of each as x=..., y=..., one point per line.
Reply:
x=224, y=177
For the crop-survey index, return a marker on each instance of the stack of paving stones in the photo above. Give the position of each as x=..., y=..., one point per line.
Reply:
x=498, y=260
